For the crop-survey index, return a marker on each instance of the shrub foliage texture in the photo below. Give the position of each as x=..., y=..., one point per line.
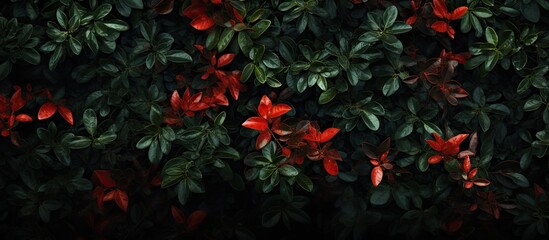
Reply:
x=274, y=119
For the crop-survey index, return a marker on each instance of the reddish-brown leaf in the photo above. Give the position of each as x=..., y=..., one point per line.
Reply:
x=468, y=184
x=46, y=111
x=440, y=9
x=472, y=173
x=17, y=102
x=109, y=196
x=481, y=182
x=435, y=159
x=279, y=110
x=225, y=59
x=196, y=9
x=458, y=12
x=330, y=165
x=466, y=164
x=265, y=106
x=376, y=175
x=175, y=100
x=177, y=215
x=121, y=199
x=195, y=219
x=262, y=140
x=440, y=26
x=411, y=20
x=66, y=114
x=23, y=118
x=163, y=7
x=256, y=123
x=202, y=22
x=104, y=177
x=328, y=134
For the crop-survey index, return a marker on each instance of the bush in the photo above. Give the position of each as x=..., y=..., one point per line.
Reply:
x=280, y=119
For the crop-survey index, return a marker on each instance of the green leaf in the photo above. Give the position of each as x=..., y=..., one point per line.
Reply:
x=155, y=153
x=245, y=42
x=389, y=16
x=391, y=86
x=370, y=120
x=116, y=24
x=380, y=195
x=304, y=182
x=530, y=11
x=327, y=96
x=422, y=162
x=288, y=171
x=260, y=74
x=135, y=4
x=404, y=130
x=225, y=39
x=220, y=119
x=144, y=142
x=533, y=103
x=178, y=56
x=90, y=121
x=491, y=36
x=270, y=218
x=400, y=27
x=247, y=72
x=259, y=28
x=62, y=19
x=102, y=11
x=484, y=121
x=75, y=46
x=519, y=179
x=29, y=55
x=482, y=12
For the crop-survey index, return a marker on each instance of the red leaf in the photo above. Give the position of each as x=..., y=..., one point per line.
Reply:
x=279, y=110
x=330, y=165
x=481, y=182
x=377, y=175
x=256, y=123
x=109, y=196
x=216, y=1
x=265, y=106
x=453, y=225
x=202, y=22
x=177, y=215
x=195, y=219
x=66, y=114
x=46, y=111
x=458, y=12
x=121, y=199
x=440, y=9
x=435, y=159
x=196, y=9
x=17, y=102
x=99, y=195
x=472, y=173
x=225, y=59
x=440, y=26
x=23, y=118
x=262, y=140
x=466, y=164
x=163, y=7
x=452, y=145
x=411, y=20
x=175, y=100
x=468, y=185
x=436, y=145
x=328, y=134
x=104, y=177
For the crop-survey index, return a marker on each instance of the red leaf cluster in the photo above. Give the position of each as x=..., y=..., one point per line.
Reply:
x=8, y=117
x=379, y=157
x=441, y=11
x=109, y=191
x=438, y=73
x=267, y=114
x=447, y=150
x=192, y=222
x=207, y=13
